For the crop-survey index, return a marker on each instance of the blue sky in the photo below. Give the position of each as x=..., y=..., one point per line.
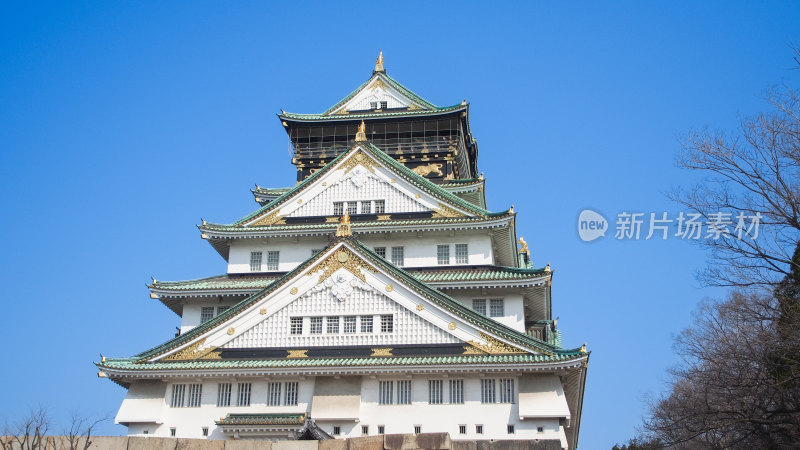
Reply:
x=121, y=125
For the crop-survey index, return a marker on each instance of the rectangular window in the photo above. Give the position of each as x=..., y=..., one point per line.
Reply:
x=255, y=261
x=206, y=313
x=195, y=394
x=272, y=260
x=387, y=323
x=397, y=256
x=205, y=431
x=337, y=430
x=366, y=324
x=457, y=392
x=404, y=392
x=462, y=429
x=243, y=399
x=373, y=105
x=510, y=429
x=224, y=394
x=172, y=432
x=365, y=429
x=496, y=308
x=178, y=391
x=366, y=207
x=462, y=254
x=350, y=324
x=338, y=208
x=352, y=208
x=381, y=429
x=540, y=429
x=380, y=206
x=386, y=390
x=316, y=325
x=273, y=393
x=479, y=305
x=478, y=429
x=443, y=254
x=487, y=391
x=296, y=325
x=222, y=309
x=381, y=251
x=384, y=105
x=506, y=390
x=291, y=394
x=417, y=429
x=435, y=388
x=333, y=325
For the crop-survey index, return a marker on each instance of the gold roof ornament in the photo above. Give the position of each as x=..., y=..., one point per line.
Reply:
x=583, y=348
x=361, y=134
x=379, y=63
x=343, y=230
x=547, y=268
x=463, y=102
x=524, y=245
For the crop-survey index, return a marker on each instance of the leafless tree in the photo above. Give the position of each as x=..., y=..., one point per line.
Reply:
x=31, y=433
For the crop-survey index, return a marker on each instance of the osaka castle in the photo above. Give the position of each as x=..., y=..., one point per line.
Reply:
x=378, y=295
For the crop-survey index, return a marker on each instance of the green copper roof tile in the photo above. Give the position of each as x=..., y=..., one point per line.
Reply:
x=263, y=419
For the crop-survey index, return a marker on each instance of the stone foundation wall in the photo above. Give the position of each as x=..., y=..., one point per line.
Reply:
x=431, y=441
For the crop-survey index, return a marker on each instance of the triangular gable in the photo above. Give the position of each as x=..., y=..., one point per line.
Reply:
x=380, y=88
x=363, y=173
x=347, y=257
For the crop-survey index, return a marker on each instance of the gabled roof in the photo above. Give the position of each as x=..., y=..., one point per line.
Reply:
x=376, y=156
x=383, y=76
x=362, y=253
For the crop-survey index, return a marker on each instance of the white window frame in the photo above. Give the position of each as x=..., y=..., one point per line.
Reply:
x=349, y=326
x=224, y=394
x=435, y=392
x=506, y=388
x=332, y=324
x=367, y=324
x=273, y=260
x=243, y=394
x=315, y=325
x=206, y=314
x=380, y=251
x=195, y=395
x=178, y=396
x=404, y=392
x=387, y=323
x=291, y=393
x=398, y=256
x=479, y=305
x=462, y=253
x=443, y=254
x=338, y=208
x=274, y=393
x=497, y=307
x=456, y=392
x=380, y=206
x=295, y=326
x=386, y=392
x=488, y=390
x=255, y=261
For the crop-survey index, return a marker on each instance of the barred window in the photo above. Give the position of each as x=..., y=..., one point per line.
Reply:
x=417, y=429
x=380, y=206
x=404, y=392
x=243, y=398
x=510, y=429
x=487, y=391
x=366, y=324
x=496, y=308
x=204, y=431
x=172, y=432
x=273, y=393
x=224, y=394
x=296, y=325
x=316, y=325
x=365, y=429
x=435, y=388
x=366, y=207
x=381, y=251
x=290, y=398
x=457, y=392
x=478, y=429
x=381, y=429
x=195, y=395
x=333, y=325
x=387, y=323
x=222, y=309
x=462, y=429
x=206, y=313
x=462, y=254
x=397, y=256
x=272, y=260
x=178, y=393
x=350, y=324
x=386, y=389
x=443, y=254
x=506, y=390
x=373, y=105
x=352, y=208
x=479, y=305
x=255, y=261
x=384, y=104
x=338, y=208
x=337, y=430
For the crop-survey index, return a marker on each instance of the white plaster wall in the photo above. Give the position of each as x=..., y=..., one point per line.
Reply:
x=396, y=418
x=191, y=312
x=419, y=251
x=513, y=307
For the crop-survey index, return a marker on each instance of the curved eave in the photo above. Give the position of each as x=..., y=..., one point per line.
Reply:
x=306, y=118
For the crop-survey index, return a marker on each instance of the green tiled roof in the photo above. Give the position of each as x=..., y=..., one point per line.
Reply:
x=446, y=185
x=270, y=191
x=401, y=170
x=263, y=419
x=373, y=114
x=520, y=358
x=354, y=224
x=391, y=82
x=437, y=275
x=436, y=296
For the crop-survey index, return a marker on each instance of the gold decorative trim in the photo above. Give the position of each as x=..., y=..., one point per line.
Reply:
x=194, y=352
x=381, y=352
x=378, y=83
x=420, y=307
x=389, y=288
x=495, y=346
x=358, y=158
x=270, y=219
x=343, y=258
x=445, y=211
x=263, y=311
x=299, y=201
x=296, y=353
x=231, y=330
x=425, y=170
x=470, y=350
x=334, y=219
x=452, y=325
x=384, y=217
x=293, y=291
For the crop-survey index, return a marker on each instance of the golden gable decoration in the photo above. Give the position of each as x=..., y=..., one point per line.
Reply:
x=342, y=258
x=270, y=219
x=194, y=352
x=444, y=211
x=359, y=158
x=494, y=346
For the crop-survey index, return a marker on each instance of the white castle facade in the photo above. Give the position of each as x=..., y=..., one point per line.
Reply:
x=378, y=295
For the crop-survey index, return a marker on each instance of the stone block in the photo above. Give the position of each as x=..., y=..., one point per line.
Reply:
x=464, y=445
x=430, y=441
x=151, y=443
x=199, y=444
x=508, y=444
x=334, y=444
x=364, y=443
x=109, y=443
x=248, y=444
x=295, y=445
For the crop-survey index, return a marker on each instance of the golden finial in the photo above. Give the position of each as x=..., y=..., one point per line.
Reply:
x=101, y=374
x=583, y=348
x=480, y=177
x=524, y=245
x=154, y=280
x=102, y=358
x=343, y=230
x=511, y=210
x=361, y=134
x=379, y=63
x=203, y=220
x=463, y=102
x=547, y=268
